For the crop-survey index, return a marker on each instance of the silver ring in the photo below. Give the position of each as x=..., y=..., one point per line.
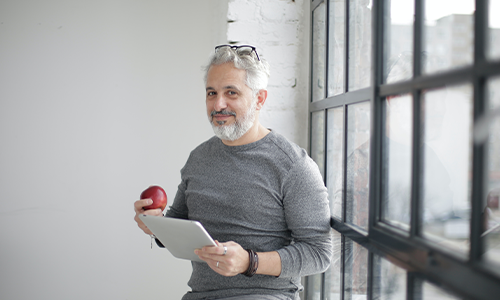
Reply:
x=225, y=250
x=217, y=264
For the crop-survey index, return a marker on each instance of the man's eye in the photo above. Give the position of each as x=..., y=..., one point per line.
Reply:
x=210, y=93
x=232, y=93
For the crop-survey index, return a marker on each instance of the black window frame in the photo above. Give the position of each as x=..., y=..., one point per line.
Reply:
x=471, y=278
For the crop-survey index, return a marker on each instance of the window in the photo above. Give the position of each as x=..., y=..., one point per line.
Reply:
x=405, y=128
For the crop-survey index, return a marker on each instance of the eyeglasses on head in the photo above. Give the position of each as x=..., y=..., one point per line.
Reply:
x=240, y=49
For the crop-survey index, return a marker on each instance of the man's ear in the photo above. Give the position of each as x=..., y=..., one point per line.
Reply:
x=261, y=99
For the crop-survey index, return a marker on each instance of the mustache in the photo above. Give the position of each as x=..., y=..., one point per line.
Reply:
x=223, y=112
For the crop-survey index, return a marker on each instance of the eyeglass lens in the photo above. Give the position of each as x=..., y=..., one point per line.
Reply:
x=240, y=50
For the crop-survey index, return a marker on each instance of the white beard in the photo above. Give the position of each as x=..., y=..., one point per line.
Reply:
x=234, y=131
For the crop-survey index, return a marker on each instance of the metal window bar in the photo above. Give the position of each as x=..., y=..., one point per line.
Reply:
x=346, y=47
x=416, y=207
x=325, y=116
x=479, y=151
x=376, y=134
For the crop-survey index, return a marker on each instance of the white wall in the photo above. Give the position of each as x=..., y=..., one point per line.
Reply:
x=280, y=29
x=98, y=100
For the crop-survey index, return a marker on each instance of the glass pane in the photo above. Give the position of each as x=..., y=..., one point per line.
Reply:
x=432, y=292
x=389, y=280
x=335, y=160
x=333, y=276
x=318, y=140
x=360, y=44
x=397, y=159
x=358, y=154
x=318, y=53
x=494, y=32
x=313, y=288
x=446, y=149
x=398, y=41
x=448, y=38
x=492, y=211
x=336, y=45
x=356, y=271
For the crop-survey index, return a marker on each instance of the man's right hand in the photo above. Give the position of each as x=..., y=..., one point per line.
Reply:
x=138, y=207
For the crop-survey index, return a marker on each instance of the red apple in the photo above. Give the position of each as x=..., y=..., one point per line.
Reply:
x=157, y=194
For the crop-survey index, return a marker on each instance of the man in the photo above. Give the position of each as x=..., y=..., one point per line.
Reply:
x=252, y=189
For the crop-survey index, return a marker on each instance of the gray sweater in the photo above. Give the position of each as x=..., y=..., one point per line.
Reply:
x=268, y=195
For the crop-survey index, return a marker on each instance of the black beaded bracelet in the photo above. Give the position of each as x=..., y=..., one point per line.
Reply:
x=253, y=265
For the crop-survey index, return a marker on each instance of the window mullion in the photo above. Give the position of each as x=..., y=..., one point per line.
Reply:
x=416, y=155
x=376, y=111
x=346, y=46
x=417, y=37
x=479, y=150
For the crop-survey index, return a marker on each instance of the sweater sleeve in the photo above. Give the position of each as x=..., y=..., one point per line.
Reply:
x=307, y=215
x=179, y=208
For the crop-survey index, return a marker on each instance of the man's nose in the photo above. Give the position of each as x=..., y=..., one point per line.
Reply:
x=220, y=103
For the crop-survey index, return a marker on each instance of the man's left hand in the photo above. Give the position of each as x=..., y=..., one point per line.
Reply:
x=234, y=261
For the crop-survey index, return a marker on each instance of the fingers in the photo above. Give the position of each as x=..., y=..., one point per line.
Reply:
x=142, y=225
x=220, y=249
x=208, y=254
x=214, y=261
x=214, y=251
x=233, y=262
x=139, y=204
x=139, y=210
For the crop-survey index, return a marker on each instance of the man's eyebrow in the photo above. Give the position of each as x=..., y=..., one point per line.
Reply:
x=231, y=87
x=227, y=87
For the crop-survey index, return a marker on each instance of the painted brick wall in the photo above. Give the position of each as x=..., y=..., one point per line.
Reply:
x=279, y=30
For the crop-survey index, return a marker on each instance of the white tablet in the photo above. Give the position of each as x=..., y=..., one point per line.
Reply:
x=181, y=237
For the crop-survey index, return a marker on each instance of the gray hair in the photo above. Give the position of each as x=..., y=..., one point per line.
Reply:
x=257, y=72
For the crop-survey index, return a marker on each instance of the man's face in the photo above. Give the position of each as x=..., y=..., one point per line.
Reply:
x=231, y=105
